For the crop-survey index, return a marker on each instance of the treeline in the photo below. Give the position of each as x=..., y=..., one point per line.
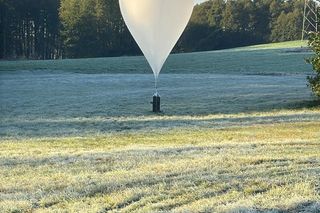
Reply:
x=94, y=28
x=30, y=29
x=219, y=24
x=51, y=29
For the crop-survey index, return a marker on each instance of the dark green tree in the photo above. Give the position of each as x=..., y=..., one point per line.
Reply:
x=261, y=14
x=94, y=28
x=314, y=81
x=230, y=20
x=215, y=14
x=288, y=24
x=30, y=29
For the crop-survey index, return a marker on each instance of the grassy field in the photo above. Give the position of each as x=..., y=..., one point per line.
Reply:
x=281, y=45
x=239, y=132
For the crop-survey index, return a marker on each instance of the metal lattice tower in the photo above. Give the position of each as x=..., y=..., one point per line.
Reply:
x=310, y=17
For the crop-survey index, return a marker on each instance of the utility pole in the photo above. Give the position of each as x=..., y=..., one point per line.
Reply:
x=310, y=17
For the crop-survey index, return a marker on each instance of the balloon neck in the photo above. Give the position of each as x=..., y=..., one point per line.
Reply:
x=156, y=85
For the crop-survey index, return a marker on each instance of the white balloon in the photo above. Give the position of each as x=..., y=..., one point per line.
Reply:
x=156, y=25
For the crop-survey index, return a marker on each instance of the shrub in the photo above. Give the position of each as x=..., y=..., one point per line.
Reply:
x=314, y=81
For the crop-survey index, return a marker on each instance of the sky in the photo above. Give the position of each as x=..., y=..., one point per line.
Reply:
x=200, y=1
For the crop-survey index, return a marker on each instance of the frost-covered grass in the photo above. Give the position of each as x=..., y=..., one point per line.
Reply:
x=271, y=59
x=281, y=45
x=239, y=132
x=273, y=167
x=40, y=105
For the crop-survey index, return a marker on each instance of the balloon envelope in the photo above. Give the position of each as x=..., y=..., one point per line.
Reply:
x=156, y=25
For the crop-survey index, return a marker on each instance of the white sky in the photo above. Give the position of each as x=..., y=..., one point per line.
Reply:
x=199, y=1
